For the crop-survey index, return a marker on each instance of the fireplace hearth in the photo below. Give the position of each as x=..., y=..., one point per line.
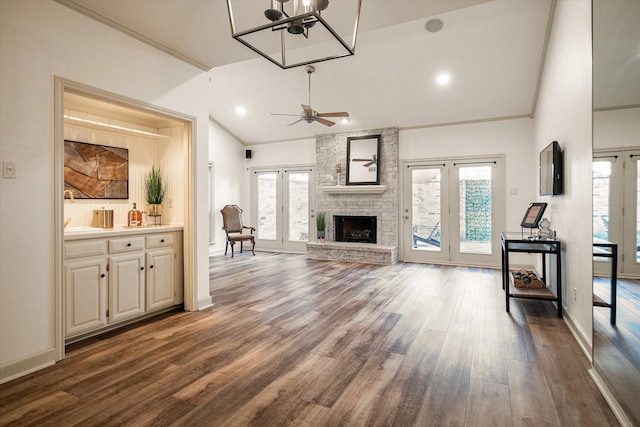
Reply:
x=355, y=229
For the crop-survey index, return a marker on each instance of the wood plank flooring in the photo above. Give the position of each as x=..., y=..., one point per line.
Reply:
x=292, y=341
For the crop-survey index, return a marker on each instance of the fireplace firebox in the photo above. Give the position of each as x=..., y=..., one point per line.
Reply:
x=357, y=229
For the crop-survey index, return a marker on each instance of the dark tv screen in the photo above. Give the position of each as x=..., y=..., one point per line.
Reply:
x=551, y=170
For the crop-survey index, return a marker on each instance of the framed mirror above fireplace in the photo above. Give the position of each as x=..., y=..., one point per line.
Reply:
x=363, y=159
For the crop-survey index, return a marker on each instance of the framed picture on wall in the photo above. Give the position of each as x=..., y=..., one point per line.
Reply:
x=363, y=160
x=96, y=171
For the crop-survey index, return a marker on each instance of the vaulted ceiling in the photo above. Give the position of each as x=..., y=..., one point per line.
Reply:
x=493, y=51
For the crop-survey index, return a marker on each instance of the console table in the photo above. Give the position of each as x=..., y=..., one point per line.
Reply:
x=517, y=242
x=604, y=249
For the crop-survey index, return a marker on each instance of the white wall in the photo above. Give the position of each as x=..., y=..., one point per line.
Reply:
x=227, y=153
x=299, y=152
x=616, y=128
x=39, y=40
x=564, y=114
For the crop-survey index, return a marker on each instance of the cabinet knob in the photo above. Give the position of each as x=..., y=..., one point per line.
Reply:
x=102, y=275
x=161, y=240
x=151, y=266
x=141, y=268
x=128, y=244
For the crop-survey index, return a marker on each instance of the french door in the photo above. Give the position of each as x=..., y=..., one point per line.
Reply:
x=616, y=209
x=453, y=211
x=282, y=207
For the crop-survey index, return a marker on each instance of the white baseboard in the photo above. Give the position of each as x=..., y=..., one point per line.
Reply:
x=611, y=400
x=578, y=333
x=29, y=364
x=205, y=303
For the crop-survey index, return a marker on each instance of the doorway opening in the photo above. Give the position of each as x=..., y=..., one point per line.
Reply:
x=75, y=105
x=453, y=210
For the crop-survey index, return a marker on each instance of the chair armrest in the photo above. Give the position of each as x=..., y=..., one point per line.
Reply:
x=251, y=229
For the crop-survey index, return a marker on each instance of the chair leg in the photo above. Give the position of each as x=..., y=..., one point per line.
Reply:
x=241, y=246
x=253, y=246
x=232, y=243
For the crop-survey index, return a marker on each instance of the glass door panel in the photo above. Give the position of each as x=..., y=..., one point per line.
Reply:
x=298, y=196
x=267, y=201
x=426, y=209
x=601, y=198
x=475, y=209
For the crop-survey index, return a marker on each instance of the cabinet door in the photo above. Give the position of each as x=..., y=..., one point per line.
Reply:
x=126, y=286
x=86, y=295
x=160, y=278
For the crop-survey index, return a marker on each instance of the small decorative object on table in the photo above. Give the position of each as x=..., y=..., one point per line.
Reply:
x=134, y=217
x=545, y=231
x=321, y=225
x=154, y=192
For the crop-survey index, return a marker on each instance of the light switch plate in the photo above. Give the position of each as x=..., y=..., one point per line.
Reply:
x=9, y=169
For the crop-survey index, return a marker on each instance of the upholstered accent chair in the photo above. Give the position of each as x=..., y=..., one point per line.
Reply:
x=234, y=228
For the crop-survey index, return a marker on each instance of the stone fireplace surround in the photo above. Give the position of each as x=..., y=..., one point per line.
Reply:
x=332, y=150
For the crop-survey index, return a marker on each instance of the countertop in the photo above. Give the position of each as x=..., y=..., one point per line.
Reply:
x=79, y=233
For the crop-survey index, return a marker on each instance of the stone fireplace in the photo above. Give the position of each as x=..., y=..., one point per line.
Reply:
x=379, y=202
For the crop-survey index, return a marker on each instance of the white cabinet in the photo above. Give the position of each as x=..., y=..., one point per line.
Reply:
x=160, y=278
x=86, y=295
x=126, y=287
x=115, y=279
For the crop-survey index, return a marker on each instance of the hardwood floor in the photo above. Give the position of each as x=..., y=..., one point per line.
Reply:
x=292, y=341
x=617, y=348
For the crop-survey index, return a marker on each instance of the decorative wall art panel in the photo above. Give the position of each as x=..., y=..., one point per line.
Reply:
x=96, y=171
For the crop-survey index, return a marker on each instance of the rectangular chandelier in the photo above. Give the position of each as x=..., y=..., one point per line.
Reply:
x=291, y=33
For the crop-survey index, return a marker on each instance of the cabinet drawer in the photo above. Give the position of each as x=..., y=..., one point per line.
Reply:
x=160, y=240
x=126, y=244
x=85, y=248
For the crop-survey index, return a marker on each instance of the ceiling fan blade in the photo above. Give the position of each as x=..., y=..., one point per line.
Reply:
x=361, y=160
x=291, y=124
x=326, y=122
x=306, y=109
x=282, y=114
x=336, y=114
x=366, y=165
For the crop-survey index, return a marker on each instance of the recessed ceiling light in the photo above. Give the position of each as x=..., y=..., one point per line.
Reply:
x=443, y=79
x=434, y=25
x=345, y=120
x=241, y=111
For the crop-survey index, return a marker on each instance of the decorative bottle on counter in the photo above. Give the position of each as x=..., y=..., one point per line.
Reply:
x=134, y=217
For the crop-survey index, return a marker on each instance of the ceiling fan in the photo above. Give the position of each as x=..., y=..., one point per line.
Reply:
x=310, y=115
x=372, y=161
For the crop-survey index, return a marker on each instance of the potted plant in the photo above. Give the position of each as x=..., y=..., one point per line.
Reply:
x=320, y=224
x=154, y=187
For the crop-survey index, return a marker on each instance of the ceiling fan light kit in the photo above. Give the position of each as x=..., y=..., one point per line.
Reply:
x=292, y=33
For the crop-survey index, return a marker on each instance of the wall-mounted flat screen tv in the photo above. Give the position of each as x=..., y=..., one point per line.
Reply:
x=551, y=170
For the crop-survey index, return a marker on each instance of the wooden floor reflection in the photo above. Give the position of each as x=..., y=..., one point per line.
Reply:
x=617, y=348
